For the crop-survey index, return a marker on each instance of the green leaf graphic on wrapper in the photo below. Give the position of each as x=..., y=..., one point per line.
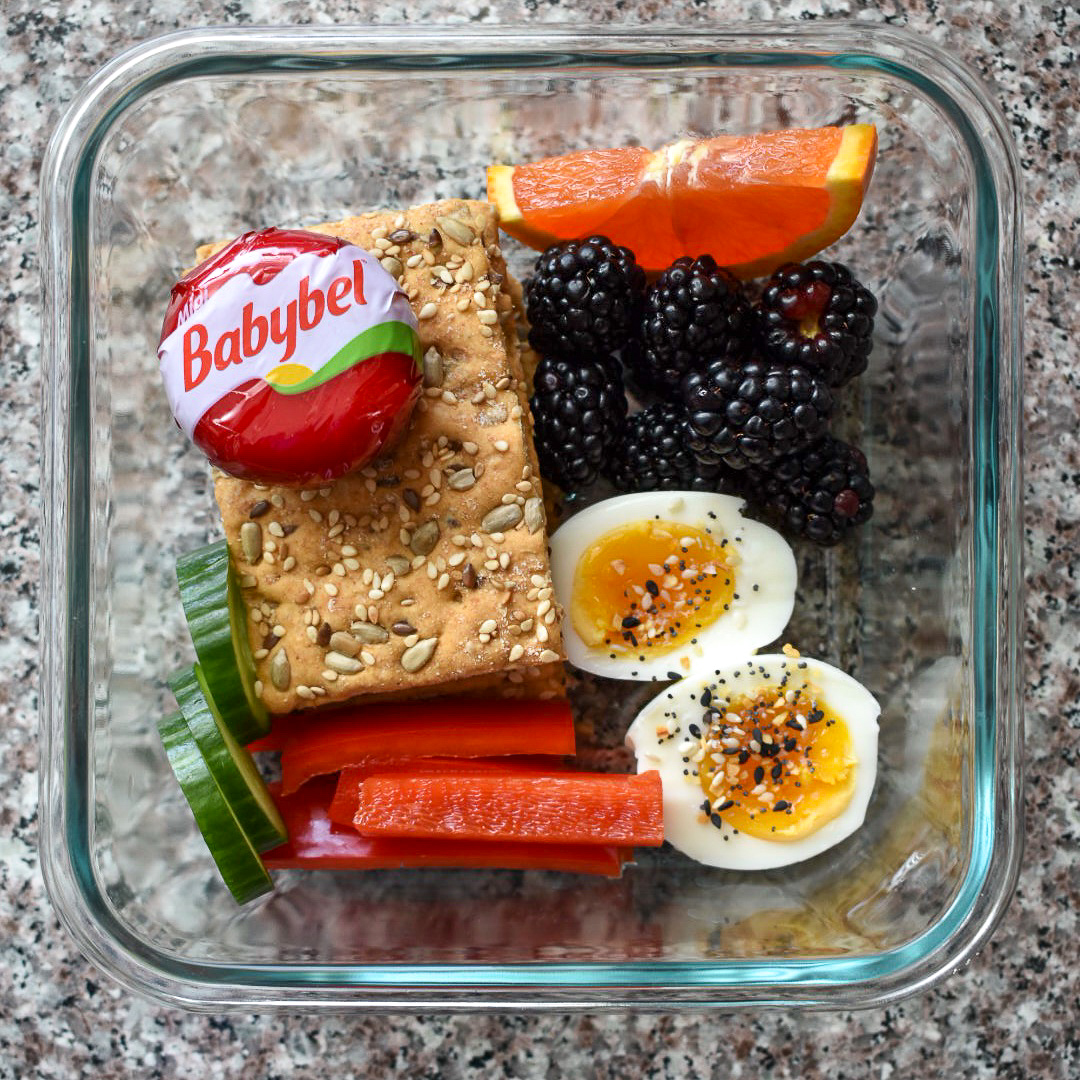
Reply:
x=387, y=337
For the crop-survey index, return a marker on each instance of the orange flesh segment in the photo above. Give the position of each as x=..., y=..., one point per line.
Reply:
x=809, y=746
x=751, y=201
x=650, y=586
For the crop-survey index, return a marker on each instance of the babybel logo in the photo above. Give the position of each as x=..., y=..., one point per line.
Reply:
x=279, y=326
x=307, y=324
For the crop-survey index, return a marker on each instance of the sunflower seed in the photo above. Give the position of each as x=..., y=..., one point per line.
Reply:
x=534, y=514
x=456, y=230
x=392, y=266
x=401, y=236
x=414, y=658
x=370, y=634
x=501, y=518
x=280, y=672
x=345, y=643
x=398, y=564
x=251, y=541
x=425, y=538
x=433, y=368
x=345, y=665
x=462, y=479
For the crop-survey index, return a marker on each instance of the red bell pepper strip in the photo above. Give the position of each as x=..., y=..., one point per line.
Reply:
x=347, y=795
x=442, y=728
x=579, y=808
x=316, y=843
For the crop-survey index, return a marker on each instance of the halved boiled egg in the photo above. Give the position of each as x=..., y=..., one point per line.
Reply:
x=765, y=763
x=656, y=583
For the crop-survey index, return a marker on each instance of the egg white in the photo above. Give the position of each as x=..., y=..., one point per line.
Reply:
x=675, y=708
x=757, y=617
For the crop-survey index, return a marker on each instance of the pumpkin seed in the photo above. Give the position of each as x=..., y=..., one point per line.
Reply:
x=280, y=671
x=455, y=229
x=501, y=518
x=370, y=634
x=415, y=657
x=534, y=514
x=344, y=665
x=344, y=643
x=251, y=540
x=425, y=538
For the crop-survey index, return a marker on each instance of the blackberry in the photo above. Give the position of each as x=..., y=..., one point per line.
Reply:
x=754, y=412
x=578, y=409
x=819, y=316
x=694, y=312
x=821, y=493
x=652, y=455
x=584, y=298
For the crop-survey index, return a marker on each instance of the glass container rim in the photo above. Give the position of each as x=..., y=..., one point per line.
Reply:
x=822, y=983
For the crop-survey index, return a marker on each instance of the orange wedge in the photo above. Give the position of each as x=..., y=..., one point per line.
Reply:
x=753, y=202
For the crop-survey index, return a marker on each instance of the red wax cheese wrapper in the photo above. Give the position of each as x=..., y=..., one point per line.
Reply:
x=290, y=357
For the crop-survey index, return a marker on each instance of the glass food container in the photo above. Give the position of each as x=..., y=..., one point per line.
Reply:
x=203, y=134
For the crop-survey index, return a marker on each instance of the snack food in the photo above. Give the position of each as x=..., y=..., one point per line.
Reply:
x=429, y=566
x=425, y=572
x=753, y=202
x=764, y=763
x=658, y=583
x=290, y=357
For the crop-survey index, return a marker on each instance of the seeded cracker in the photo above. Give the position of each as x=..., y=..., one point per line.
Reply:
x=430, y=566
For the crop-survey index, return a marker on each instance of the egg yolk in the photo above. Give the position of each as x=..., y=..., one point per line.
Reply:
x=776, y=765
x=651, y=586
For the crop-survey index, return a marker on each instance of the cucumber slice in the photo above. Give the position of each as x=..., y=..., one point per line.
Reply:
x=218, y=624
x=239, y=863
x=229, y=763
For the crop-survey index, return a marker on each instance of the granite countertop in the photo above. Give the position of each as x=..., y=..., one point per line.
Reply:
x=1011, y=1013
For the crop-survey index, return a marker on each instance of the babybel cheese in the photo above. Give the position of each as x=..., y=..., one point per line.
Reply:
x=270, y=333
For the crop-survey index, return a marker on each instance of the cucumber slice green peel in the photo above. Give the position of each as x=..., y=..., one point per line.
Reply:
x=229, y=763
x=238, y=862
x=218, y=624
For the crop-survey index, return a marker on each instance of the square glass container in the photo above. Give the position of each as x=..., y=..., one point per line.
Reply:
x=203, y=134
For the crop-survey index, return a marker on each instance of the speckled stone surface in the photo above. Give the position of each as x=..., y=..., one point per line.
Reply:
x=1011, y=1013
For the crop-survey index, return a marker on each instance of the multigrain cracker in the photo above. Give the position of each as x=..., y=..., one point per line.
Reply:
x=429, y=566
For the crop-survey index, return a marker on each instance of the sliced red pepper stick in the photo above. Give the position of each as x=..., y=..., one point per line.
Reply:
x=437, y=728
x=492, y=710
x=580, y=808
x=347, y=795
x=316, y=843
